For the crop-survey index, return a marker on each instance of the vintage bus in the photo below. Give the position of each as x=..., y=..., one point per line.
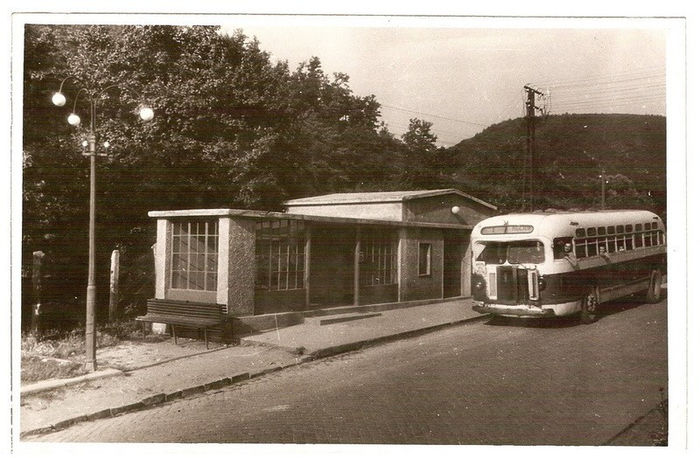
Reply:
x=554, y=264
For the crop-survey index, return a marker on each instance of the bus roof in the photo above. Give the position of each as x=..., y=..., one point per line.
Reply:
x=561, y=224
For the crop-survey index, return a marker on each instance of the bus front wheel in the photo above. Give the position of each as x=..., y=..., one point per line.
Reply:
x=589, y=306
x=654, y=290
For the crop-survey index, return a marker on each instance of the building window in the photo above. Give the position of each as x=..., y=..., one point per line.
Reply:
x=279, y=255
x=195, y=255
x=424, y=258
x=378, y=258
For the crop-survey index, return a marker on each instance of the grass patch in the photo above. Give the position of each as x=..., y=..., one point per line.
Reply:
x=37, y=368
x=61, y=354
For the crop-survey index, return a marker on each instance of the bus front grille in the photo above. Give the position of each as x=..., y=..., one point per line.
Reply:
x=512, y=285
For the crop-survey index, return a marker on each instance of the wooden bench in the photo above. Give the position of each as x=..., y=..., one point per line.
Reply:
x=183, y=313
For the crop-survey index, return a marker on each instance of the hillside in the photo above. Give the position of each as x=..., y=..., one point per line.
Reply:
x=572, y=150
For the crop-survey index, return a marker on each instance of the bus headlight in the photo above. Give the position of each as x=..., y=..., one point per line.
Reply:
x=541, y=283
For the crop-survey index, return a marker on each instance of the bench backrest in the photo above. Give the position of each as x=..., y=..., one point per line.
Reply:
x=184, y=308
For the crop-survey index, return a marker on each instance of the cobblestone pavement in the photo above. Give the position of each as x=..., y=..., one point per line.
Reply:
x=497, y=382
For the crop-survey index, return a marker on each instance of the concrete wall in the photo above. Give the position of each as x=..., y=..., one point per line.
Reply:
x=160, y=254
x=411, y=285
x=279, y=301
x=378, y=294
x=437, y=209
x=388, y=211
x=239, y=257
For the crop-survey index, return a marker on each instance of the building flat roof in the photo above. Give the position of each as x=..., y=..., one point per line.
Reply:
x=378, y=197
x=258, y=214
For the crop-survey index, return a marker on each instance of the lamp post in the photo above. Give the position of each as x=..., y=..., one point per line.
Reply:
x=146, y=114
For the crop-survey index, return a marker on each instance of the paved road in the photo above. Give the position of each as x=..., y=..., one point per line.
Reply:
x=496, y=382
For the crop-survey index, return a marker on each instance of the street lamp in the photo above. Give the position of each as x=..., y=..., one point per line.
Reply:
x=146, y=114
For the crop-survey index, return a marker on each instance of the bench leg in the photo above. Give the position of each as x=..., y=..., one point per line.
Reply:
x=172, y=328
x=206, y=339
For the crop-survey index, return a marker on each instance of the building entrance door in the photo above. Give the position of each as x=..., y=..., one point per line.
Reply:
x=456, y=243
x=331, y=274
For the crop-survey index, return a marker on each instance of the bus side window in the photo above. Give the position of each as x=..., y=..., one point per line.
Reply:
x=620, y=243
x=592, y=249
x=562, y=247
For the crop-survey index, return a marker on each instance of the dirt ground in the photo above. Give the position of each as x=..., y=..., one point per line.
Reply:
x=135, y=354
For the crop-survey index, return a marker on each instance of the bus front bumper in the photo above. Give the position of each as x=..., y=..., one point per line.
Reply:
x=513, y=310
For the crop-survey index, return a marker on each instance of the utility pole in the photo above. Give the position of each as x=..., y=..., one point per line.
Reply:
x=530, y=108
x=603, y=180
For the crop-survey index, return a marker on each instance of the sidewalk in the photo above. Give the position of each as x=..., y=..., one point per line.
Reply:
x=259, y=354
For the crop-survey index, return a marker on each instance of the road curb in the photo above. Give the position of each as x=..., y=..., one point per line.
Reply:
x=151, y=401
x=161, y=398
x=353, y=346
x=47, y=385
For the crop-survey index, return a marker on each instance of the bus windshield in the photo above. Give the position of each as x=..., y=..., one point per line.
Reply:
x=517, y=252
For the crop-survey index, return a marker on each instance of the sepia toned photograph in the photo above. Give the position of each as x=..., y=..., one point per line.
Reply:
x=358, y=230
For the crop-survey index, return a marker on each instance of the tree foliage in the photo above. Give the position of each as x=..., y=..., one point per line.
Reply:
x=232, y=129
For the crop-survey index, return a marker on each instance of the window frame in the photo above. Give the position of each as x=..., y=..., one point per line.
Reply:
x=209, y=265
x=283, y=241
x=378, y=258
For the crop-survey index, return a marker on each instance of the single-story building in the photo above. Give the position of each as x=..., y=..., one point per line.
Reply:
x=321, y=252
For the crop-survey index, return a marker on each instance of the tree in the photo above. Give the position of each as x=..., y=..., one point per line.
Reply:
x=423, y=160
x=231, y=130
x=418, y=138
x=213, y=96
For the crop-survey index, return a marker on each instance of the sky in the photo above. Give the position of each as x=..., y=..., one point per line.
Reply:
x=465, y=74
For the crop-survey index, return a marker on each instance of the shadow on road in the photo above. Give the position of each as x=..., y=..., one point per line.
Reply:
x=605, y=310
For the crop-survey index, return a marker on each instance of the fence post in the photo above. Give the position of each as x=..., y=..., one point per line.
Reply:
x=37, y=261
x=114, y=286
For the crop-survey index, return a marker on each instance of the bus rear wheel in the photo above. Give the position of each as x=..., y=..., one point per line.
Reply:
x=589, y=306
x=654, y=290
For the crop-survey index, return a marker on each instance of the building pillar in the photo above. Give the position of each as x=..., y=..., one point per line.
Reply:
x=467, y=270
x=402, y=264
x=356, y=270
x=307, y=267
x=237, y=266
x=160, y=257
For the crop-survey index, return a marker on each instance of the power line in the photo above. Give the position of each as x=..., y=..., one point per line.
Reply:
x=597, y=100
x=600, y=108
x=619, y=76
x=433, y=115
x=630, y=72
x=646, y=103
x=516, y=101
x=602, y=84
x=577, y=92
x=453, y=134
x=454, y=137
x=639, y=98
